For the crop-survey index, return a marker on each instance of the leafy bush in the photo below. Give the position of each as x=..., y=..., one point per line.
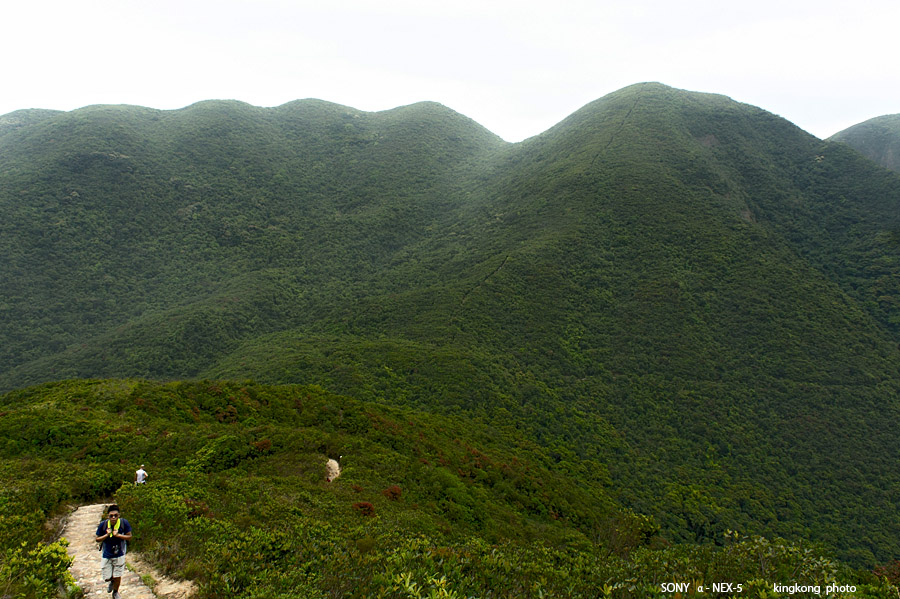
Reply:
x=36, y=571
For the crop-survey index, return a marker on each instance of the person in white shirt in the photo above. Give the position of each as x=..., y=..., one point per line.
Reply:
x=140, y=477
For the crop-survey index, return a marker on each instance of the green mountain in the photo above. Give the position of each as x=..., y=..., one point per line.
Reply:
x=116, y=215
x=878, y=139
x=688, y=302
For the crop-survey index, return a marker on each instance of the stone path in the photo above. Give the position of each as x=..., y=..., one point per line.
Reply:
x=80, y=530
x=332, y=470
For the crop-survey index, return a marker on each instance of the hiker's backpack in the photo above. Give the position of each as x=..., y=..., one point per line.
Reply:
x=115, y=529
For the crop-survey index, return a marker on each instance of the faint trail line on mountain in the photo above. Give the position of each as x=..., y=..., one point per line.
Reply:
x=80, y=529
x=621, y=126
x=483, y=281
x=473, y=289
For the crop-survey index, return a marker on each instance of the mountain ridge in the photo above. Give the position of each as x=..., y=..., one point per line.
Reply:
x=669, y=287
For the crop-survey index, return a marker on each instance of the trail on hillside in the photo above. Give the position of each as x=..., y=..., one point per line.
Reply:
x=332, y=470
x=80, y=530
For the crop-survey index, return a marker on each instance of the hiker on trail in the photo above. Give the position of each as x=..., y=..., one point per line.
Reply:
x=113, y=535
x=140, y=477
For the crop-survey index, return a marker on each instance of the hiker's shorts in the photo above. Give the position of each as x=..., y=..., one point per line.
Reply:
x=112, y=567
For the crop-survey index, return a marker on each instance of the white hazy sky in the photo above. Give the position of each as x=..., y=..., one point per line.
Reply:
x=515, y=67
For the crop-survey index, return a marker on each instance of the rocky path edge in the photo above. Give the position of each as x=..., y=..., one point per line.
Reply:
x=80, y=530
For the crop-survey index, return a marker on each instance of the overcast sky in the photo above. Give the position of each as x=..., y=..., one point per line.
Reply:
x=516, y=67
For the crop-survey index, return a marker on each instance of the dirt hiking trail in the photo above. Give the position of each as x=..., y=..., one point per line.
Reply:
x=80, y=530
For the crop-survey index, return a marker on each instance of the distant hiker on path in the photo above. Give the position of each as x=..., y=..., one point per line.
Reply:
x=113, y=534
x=140, y=476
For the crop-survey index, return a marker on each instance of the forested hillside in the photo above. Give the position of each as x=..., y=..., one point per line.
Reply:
x=425, y=506
x=114, y=216
x=877, y=138
x=683, y=300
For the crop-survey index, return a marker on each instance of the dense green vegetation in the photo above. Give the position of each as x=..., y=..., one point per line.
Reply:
x=426, y=506
x=877, y=138
x=687, y=305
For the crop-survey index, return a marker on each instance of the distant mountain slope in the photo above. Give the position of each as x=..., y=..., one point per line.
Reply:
x=685, y=297
x=111, y=213
x=21, y=118
x=878, y=139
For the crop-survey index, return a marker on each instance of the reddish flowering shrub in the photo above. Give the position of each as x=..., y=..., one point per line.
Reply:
x=263, y=446
x=229, y=414
x=365, y=508
x=198, y=509
x=393, y=492
x=890, y=571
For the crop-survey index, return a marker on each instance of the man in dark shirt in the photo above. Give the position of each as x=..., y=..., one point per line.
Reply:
x=114, y=533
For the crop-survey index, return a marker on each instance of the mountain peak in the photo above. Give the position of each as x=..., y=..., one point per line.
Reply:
x=878, y=139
